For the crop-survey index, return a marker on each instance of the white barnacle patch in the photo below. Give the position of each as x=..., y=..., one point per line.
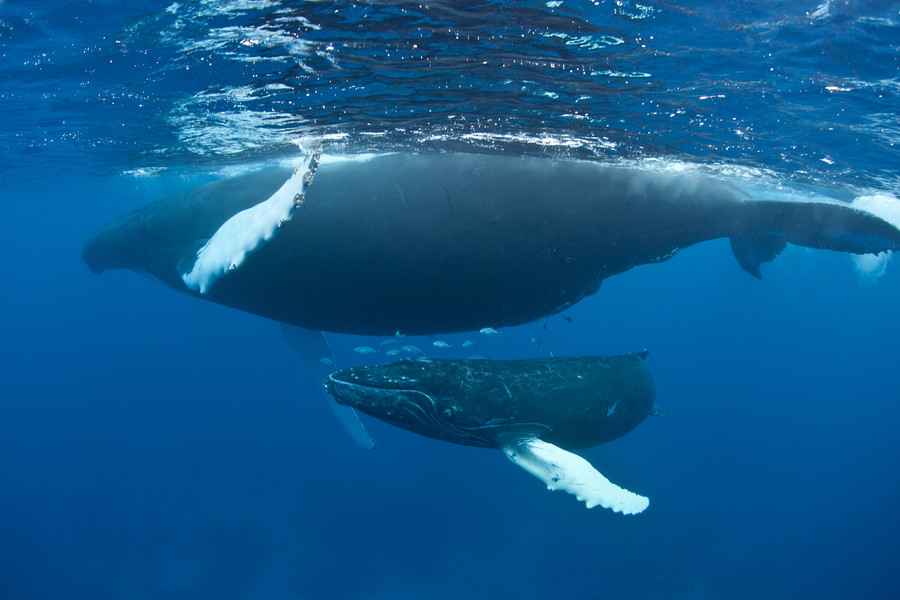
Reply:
x=249, y=230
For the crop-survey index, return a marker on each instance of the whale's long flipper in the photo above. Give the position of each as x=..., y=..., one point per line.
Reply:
x=247, y=231
x=562, y=470
x=772, y=224
x=312, y=347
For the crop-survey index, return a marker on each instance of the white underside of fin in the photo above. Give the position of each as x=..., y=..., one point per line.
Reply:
x=881, y=205
x=249, y=230
x=872, y=266
x=562, y=470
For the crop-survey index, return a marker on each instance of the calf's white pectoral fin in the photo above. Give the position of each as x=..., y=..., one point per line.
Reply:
x=562, y=470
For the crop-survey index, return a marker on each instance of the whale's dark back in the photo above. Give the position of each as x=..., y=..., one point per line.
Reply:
x=574, y=402
x=426, y=243
x=455, y=242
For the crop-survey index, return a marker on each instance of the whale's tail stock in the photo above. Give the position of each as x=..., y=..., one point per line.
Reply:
x=870, y=225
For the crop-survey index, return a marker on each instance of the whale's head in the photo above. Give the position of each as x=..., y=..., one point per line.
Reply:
x=415, y=394
x=402, y=375
x=132, y=242
x=161, y=239
x=120, y=245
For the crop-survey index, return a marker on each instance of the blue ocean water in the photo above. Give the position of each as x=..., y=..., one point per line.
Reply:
x=153, y=446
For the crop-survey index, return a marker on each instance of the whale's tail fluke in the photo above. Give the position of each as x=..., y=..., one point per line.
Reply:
x=772, y=224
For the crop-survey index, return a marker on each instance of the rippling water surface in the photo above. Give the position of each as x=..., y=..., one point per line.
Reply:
x=806, y=90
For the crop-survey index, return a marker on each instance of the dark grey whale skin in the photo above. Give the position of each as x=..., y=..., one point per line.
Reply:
x=434, y=243
x=571, y=401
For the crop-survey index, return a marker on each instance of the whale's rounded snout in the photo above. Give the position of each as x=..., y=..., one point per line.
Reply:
x=115, y=246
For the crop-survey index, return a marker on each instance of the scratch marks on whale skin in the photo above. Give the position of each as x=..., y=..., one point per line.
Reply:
x=436, y=425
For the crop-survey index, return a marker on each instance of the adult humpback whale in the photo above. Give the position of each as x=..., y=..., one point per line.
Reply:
x=429, y=243
x=531, y=409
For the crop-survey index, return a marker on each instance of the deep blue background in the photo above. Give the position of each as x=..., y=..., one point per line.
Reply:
x=155, y=446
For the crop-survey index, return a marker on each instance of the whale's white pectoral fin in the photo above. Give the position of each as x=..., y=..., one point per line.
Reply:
x=249, y=230
x=562, y=470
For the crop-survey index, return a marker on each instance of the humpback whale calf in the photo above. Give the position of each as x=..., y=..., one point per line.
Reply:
x=437, y=243
x=531, y=409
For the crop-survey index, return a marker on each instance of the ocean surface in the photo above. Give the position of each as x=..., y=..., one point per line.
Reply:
x=153, y=446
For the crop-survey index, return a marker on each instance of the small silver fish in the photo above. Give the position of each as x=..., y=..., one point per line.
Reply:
x=412, y=349
x=365, y=350
x=390, y=342
x=327, y=362
x=468, y=344
x=537, y=341
x=612, y=409
x=490, y=331
x=442, y=344
x=392, y=352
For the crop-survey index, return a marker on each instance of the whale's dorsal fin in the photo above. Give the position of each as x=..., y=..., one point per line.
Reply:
x=562, y=470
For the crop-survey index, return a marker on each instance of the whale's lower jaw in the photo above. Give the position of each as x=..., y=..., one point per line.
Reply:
x=412, y=410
